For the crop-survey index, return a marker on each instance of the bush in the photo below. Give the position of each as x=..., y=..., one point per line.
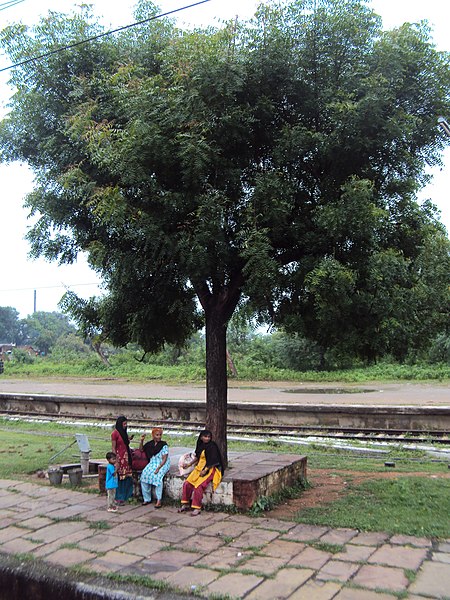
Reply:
x=22, y=356
x=440, y=350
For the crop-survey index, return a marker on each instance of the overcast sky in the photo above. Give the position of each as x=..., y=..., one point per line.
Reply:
x=26, y=283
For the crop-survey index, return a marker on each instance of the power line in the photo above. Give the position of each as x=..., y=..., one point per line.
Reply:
x=100, y=35
x=48, y=287
x=5, y=5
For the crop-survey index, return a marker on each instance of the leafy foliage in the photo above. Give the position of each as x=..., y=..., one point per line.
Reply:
x=274, y=161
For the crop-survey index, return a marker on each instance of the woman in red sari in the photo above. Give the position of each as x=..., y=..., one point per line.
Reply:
x=121, y=447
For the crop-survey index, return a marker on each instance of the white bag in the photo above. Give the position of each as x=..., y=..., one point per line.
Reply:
x=184, y=460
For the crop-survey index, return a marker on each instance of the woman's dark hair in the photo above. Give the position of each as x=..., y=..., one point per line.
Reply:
x=212, y=452
x=123, y=432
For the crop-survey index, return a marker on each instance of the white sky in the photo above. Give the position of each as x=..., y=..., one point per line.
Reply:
x=22, y=279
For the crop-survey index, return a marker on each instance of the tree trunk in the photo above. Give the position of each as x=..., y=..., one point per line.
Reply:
x=98, y=348
x=216, y=378
x=231, y=365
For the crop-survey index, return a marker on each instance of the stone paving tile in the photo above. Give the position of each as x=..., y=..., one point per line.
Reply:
x=241, y=519
x=357, y=594
x=338, y=570
x=355, y=553
x=113, y=561
x=175, y=558
x=8, y=501
x=101, y=514
x=94, y=501
x=274, y=524
x=131, y=530
x=19, y=546
x=41, y=511
x=305, y=533
x=311, y=558
x=316, y=590
x=444, y=547
x=260, y=564
x=6, y=483
x=283, y=549
x=58, y=531
x=234, y=585
x=25, y=487
x=162, y=562
x=399, y=556
x=370, y=538
x=227, y=528
x=39, y=504
x=67, y=557
x=7, y=522
x=141, y=511
x=102, y=542
x=203, y=544
x=223, y=558
x=254, y=538
x=190, y=579
x=48, y=547
x=282, y=586
x=142, y=547
x=9, y=533
x=432, y=580
x=173, y=534
x=385, y=578
x=409, y=540
x=206, y=518
x=338, y=536
x=36, y=522
x=157, y=519
x=443, y=557
x=69, y=511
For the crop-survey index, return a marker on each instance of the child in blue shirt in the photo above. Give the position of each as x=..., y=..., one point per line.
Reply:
x=111, y=483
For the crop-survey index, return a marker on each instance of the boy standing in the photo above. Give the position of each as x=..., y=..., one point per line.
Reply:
x=111, y=482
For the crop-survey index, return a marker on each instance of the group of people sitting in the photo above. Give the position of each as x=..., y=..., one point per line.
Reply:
x=206, y=464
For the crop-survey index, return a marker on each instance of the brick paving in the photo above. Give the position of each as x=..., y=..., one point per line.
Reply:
x=218, y=553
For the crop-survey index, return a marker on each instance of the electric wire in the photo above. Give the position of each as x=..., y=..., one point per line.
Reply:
x=101, y=35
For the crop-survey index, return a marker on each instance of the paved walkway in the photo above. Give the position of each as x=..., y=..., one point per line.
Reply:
x=220, y=554
x=376, y=394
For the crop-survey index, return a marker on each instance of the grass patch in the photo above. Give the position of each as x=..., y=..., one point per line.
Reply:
x=131, y=370
x=265, y=503
x=408, y=505
x=99, y=525
x=326, y=547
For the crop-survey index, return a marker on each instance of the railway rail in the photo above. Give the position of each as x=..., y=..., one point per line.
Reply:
x=295, y=432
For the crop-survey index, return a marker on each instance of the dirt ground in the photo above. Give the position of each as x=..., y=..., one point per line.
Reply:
x=328, y=486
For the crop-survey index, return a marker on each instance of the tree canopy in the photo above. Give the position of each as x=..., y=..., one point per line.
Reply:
x=275, y=160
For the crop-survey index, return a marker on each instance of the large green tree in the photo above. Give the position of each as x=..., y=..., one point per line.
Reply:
x=9, y=324
x=43, y=329
x=199, y=168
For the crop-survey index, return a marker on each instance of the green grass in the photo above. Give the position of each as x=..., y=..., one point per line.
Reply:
x=417, y=505
x=132, y=370
x=407, y=505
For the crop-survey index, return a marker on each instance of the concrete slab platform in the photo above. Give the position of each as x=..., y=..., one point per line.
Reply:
x=215, y=553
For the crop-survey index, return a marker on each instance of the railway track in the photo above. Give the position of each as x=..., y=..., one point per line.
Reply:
x=296, y=432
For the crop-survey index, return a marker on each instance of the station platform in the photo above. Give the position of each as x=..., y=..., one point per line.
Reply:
x=260, y=392
x=62, y=543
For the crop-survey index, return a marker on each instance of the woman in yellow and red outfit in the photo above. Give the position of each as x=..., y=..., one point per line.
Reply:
x=208, y=468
